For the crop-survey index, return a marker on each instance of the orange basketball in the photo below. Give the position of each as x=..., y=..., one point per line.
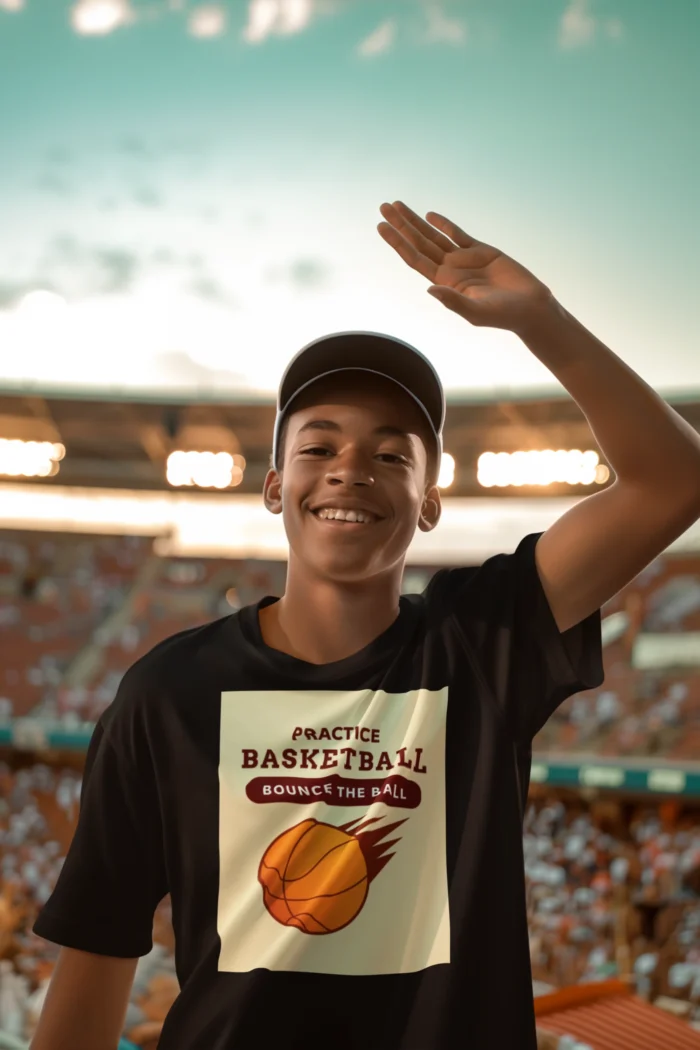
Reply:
x=314, y=877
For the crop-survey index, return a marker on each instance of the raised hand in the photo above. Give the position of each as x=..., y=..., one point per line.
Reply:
x=471, y=278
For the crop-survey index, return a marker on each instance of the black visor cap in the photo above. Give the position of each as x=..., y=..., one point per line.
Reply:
x=369, y=352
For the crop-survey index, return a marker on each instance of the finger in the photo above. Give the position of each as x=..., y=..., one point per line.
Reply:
x=426, y=238
x=458, y=235
x=407, y=251
x=426, y=247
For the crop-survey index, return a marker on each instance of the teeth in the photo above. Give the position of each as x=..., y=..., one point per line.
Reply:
x=343, y=515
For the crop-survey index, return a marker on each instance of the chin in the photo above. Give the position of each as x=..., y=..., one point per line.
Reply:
x=352, y=568
x=348, y=563
x=345, y=570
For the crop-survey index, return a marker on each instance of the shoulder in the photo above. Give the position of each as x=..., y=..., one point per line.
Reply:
x=163, y=670
x=482, y=589
x=166, y=661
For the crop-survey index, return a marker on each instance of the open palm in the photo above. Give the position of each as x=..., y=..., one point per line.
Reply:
x=469, y=277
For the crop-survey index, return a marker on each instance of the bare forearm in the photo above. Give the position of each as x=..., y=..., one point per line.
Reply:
x=86, y=1003
x=641, y=436
x=80, y=1026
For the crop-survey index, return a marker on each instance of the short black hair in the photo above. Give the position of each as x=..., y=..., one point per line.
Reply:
x=433, y=456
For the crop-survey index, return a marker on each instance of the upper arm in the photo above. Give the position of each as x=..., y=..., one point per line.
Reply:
x=603, y=542
x=503, y=616
x=86, y=1002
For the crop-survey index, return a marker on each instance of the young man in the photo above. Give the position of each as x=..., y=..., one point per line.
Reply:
x=331, y=784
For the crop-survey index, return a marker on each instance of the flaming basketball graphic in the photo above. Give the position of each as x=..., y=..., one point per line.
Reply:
x=316, y=876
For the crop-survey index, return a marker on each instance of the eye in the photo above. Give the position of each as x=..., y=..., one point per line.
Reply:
x=392, y=457
x=315, y=450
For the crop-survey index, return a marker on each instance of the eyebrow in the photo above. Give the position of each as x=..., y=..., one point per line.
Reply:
x=329, y=424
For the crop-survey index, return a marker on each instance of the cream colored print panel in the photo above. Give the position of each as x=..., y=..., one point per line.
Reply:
x=332, y=832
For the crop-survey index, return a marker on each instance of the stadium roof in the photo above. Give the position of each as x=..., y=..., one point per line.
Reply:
x=124, y=443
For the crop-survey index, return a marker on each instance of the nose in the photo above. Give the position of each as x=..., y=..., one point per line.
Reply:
x=352, y=468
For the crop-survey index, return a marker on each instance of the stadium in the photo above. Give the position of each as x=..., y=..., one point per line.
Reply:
x=137, y=407
x=612, y=830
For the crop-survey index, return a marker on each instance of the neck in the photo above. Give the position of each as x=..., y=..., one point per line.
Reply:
x=321, y=621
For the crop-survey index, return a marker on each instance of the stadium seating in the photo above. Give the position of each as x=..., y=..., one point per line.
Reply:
x=55, y=591
x=77, y=611
x=606, y=895
x=641, y=711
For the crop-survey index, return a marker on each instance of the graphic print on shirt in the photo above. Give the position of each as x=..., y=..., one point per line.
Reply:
x=316, y=876
x=332, y=832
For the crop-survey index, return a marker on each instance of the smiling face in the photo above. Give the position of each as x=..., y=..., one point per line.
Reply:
x=356, y=480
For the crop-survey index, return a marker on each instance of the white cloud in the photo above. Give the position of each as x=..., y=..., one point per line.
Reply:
x=379, y=41
x=207, y=21
x=11, y=5
x=40, y=300
x=578, y=26
x=99, y=17
x=276, y=18
x=614, y=28
x=294, y=15
x=262, y=17
x=443, y=29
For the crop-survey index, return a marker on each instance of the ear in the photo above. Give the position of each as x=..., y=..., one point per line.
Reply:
x=431, y=510
x=272, y=492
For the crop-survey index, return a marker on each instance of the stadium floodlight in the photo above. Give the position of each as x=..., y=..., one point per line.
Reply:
x=30, y=459
x=447, y=471
x=541, y=467
x=204, y=470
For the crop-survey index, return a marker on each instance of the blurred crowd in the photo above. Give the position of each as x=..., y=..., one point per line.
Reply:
x=77, y=611
x=650, y=714
x=55, y=592
x=610, y=892
x=38, y=809
x=609, y=896
x=649, y=705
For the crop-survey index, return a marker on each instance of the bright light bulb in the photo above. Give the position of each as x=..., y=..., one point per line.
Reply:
x=29, y=459
x=539, y=467
x=206, y=470
x=447, y=471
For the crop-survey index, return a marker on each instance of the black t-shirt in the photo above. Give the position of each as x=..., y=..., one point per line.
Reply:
x=342, y=843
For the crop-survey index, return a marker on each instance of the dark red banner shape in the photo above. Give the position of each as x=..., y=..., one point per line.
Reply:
x=335, y=790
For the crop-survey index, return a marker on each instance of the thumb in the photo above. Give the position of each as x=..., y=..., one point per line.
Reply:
x=454, y=301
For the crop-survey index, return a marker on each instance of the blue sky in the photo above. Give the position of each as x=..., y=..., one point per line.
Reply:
x=189, y=192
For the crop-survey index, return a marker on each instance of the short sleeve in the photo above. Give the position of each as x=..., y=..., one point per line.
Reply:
x=114, y=873
x=529, y=666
